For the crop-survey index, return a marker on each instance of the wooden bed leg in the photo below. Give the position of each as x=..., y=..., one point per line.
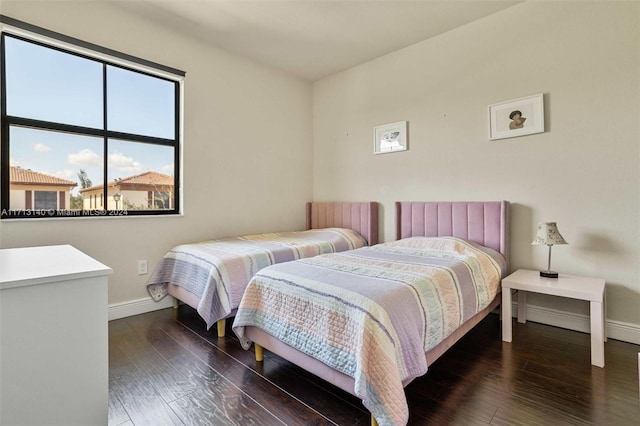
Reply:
x=374, y=422
x=221, y=324
x=259, y=352
x=175, y=311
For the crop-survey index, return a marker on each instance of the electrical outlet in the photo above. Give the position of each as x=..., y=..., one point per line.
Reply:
x=142, y=267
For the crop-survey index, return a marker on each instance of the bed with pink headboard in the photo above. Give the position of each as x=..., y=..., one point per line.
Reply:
x=476, y=226
x=210, y=276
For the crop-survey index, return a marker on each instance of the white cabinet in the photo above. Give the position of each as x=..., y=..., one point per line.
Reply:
x=53, y=337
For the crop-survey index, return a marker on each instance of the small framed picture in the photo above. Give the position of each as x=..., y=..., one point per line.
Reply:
x=390, y=138
x=517, y=117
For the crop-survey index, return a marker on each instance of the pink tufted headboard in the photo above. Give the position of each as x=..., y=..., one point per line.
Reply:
x=359, y=216
x=484, y=222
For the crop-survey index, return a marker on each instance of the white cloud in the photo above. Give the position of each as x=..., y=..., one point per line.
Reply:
x=124, y=164
x=84, y=157
x=66, y=174
x=40, y=147
x=168, y=169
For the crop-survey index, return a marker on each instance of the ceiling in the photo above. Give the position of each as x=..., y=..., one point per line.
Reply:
x=309, y=38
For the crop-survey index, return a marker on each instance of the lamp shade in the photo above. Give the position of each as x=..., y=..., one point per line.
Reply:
x=548, y=234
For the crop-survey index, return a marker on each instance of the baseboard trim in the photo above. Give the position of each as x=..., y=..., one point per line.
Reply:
x=137, y=307
x=617, y=330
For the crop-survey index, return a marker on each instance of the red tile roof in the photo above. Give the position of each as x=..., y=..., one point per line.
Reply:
x=147, y=178
x=18, y=175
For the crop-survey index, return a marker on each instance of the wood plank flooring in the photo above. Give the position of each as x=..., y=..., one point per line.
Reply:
x=165, y=369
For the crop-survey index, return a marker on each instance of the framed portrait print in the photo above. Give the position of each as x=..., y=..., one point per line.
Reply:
x=390, y=138
x=518, y=117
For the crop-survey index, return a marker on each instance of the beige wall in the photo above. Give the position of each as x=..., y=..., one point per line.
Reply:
x=247, y=141
x=17, y=195
x=249, y=132
x=583, y=172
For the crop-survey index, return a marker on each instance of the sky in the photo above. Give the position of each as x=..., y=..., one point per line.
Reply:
x=48, y=85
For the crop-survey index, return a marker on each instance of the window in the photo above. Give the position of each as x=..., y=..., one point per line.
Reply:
x=85, y=136
x=162, y=200
x=46, y=200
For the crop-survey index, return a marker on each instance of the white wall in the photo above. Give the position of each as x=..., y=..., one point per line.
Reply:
x=583, y=172
x=247, y=141
x=249, y=132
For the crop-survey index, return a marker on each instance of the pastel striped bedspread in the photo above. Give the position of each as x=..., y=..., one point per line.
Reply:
x=217, y=271
x=372, y=313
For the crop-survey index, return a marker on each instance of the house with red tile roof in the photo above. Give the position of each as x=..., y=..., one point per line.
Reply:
x=145, y=191
x=30, y=190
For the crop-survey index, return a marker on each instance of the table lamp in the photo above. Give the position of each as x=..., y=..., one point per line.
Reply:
x=548, y=235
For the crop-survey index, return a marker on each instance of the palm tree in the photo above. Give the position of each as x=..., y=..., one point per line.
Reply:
x=77, y=201
x=85, y=182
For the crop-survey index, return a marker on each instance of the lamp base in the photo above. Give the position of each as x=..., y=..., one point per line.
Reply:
x=549, y=274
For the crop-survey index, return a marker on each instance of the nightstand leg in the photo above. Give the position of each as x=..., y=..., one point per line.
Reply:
x=597, y=334
x=522, y=306
x=506, y=314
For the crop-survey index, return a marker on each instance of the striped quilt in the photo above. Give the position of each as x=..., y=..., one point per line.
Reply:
x=372, y=313
x=217, y=271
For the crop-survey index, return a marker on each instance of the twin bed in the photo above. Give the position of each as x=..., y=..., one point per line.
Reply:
x=367, y=318
x=210, y=276
x=372, y=319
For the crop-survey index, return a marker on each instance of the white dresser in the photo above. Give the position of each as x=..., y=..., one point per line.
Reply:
x=53, y=337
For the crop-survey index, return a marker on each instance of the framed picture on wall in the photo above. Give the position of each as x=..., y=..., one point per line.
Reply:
x=517, y=117
x=390, y=138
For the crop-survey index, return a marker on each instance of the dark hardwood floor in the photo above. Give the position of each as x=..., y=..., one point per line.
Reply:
x=165, y=371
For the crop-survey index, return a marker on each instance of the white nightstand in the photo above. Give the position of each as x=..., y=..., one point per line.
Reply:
x=575, y=287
